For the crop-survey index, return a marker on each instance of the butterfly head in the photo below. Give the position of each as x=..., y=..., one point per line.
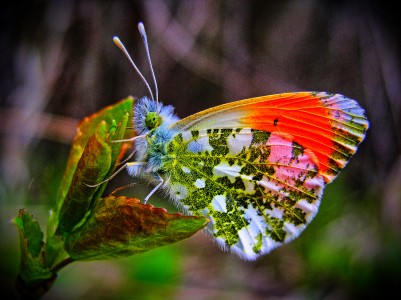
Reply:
x=152, y=120
x=150, y=115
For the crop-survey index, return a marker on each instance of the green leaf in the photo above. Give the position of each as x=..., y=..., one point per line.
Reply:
x=92, y=159
x=116, y=132
x=33, y=268
x=120, y=226
x=92, y=168
x=85, y=130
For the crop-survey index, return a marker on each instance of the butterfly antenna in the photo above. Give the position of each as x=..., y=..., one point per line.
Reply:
x=142, y=31
x=120, y=45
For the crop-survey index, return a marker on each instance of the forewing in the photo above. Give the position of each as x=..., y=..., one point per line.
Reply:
x=330, y=125
x=259, y=189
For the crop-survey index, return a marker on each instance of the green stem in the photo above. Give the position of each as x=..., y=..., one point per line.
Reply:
x=62, y=264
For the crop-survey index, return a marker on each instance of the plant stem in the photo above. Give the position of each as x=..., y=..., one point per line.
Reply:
x=62, y=264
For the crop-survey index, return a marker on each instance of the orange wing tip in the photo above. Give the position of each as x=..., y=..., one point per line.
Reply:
x=348, y=126
x=345, y=111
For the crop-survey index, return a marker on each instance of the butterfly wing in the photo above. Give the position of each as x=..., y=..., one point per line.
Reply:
x=257, y=167
x=330, y=125
x=259, y=189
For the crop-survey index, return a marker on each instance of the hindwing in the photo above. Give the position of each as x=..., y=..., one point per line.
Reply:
x=259, y=189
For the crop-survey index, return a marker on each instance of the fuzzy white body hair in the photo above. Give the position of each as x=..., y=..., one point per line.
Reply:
x=160, y=135
x=146, y=105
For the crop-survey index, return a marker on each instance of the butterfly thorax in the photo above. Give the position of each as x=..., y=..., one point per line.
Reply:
x=152, y=120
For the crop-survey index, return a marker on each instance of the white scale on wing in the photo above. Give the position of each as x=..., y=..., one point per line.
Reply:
x=224, y=169
x=237, y=141
x=200, y=183
x=219, y=203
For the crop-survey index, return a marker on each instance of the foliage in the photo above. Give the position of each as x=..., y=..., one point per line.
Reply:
x=85, y=226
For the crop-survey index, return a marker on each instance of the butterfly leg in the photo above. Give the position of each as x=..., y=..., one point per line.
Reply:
x=130, y=185
x=125, y=166
x=128, y=158
x=158, y=178
x=133, y=152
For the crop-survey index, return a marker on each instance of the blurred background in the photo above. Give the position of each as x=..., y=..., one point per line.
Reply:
x=58, y=64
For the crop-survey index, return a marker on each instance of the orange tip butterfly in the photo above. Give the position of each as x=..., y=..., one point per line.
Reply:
x=256, y=167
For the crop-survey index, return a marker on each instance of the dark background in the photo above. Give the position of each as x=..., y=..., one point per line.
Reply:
x=58, y=64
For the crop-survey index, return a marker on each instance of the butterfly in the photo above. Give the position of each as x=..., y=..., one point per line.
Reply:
x=256, y=167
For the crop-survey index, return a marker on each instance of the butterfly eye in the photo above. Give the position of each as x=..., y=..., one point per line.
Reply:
x=152, y=120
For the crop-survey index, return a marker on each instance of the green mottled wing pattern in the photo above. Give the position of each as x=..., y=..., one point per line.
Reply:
x=259, y=189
